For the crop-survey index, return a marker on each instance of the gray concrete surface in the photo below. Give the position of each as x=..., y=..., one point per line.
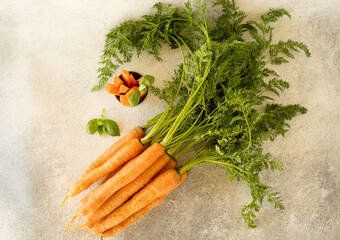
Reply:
x=49, y=52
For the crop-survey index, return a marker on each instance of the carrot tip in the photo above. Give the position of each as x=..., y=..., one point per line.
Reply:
x=83, y=230
x=91, y=233
x=62, y=184
x=65, y=225
x=70, y=225
x=64, y=201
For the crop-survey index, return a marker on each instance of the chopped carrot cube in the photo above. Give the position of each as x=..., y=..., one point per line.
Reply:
x=123, y=89
x=109, y=88
x=117, y=80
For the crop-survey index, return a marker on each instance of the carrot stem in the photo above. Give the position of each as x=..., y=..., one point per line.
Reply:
x=208, y=160
x=156, y=128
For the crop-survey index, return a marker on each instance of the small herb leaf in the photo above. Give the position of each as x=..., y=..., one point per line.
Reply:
x=134, y=98
x=92, y=126
x=147, y=80
x=111, y=127
x=142, y=88
x=101, y=130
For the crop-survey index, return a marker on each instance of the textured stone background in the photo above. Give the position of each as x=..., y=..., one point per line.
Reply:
x=49, y=52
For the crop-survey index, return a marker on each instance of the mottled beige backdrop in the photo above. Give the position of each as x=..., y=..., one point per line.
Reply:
x=48, y=59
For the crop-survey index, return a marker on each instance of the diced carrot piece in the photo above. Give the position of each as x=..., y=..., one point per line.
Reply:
x=116, y=89
x=124, y=100
x=118, y=81
x=133, y=89
x=126, y=78
x=133, y=81
x=123, y=89
x=109, y=88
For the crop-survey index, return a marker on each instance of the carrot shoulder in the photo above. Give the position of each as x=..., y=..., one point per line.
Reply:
x=126, y=175
x=137, y=132
x=162, y=185
x=134, y=217
x=126, y=192
x=127, y=152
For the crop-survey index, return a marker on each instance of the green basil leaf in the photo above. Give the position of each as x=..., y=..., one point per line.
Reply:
x=134, y=98
x=146, y=80
x=111, y=127
x=142, y=88
x=101, y=130
x=92, y=126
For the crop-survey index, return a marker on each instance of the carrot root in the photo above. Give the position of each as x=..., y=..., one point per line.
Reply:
x=68, y=226
x=73, y=232
x=91, y=233
x=62, y=184
x=64, y=201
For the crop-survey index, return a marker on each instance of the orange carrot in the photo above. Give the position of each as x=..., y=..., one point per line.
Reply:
x=162, y=185
x=108, y=176
x=171, y=165
x=134, y=217
x=126, y=175
x=111, y=174
x=137, y=132
x=126, y=78
x=127, y=191
x=124, y=100
x=133, y=81
x=127, y=152
x=123, y=89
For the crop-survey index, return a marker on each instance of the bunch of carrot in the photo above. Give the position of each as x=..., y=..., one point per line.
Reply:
x=138, y=178
x=212, y=110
